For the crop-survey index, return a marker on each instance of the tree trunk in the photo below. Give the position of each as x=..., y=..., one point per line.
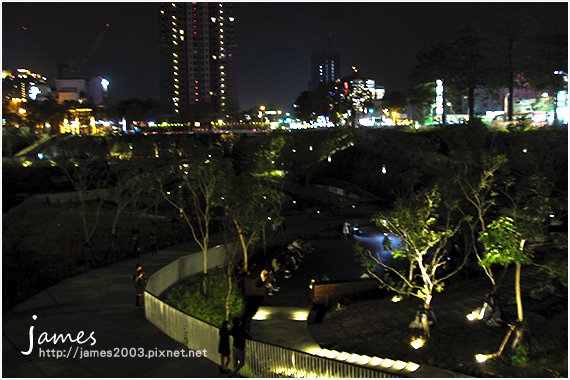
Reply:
x=425, y=317
x=511, y=81
x=243, y=245
x=471, y=104
x=518, y=293
x=519, y=330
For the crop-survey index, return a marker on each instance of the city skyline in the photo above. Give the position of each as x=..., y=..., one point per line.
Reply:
x=275, y=41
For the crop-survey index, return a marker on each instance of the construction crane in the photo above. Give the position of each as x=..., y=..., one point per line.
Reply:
x=61, y=64
x=93, y=49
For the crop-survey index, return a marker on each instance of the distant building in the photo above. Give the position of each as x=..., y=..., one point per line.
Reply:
x=325, y=67
x=197, y=56
x=93, y=90
x=24, y=85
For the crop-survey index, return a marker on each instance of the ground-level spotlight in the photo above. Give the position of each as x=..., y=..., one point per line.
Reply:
x=477, y=313
x=396, y=299
x=417, y=343
x=482, y=358
x=473, y=316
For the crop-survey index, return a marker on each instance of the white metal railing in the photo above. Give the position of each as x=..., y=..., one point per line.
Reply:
x=262, y=359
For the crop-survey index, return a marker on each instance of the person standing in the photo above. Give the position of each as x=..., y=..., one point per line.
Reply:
x=136, y=244
x=239, y=334
x=140, y=285
x=224, y=346
x=345, y=229
x=153, y=245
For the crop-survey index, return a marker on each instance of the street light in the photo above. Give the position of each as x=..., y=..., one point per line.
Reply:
x=261, y=110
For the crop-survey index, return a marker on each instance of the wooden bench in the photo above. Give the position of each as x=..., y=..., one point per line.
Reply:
x=324, y=292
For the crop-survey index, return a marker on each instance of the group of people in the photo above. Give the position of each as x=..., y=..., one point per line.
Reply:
x=240, y=334
x=140, y=284
x=283, y=266
x=136, y=243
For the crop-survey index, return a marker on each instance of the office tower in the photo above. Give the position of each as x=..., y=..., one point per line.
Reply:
x=197, y=56
x=325, y=67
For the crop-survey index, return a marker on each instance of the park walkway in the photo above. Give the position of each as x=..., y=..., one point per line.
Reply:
x=101, y=301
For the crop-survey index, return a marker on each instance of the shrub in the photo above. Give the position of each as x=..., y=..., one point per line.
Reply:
x=211, y=308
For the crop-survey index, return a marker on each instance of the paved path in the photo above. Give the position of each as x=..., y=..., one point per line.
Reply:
x=100, y=301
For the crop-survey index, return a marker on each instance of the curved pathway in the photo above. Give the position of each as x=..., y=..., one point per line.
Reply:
x=102, y=302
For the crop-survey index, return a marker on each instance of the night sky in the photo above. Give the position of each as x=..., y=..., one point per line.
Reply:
x=275, y=40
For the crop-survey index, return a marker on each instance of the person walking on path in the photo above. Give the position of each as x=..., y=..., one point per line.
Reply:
x=153, y=245
x=136, y=244
x=345, y=229
x=239, y=334
x=140, y=285
x=224, y=346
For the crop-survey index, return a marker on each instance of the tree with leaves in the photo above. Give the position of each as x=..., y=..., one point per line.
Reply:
x=423, y=246
x=85, y=176
x=192, y=188
x=244, y=207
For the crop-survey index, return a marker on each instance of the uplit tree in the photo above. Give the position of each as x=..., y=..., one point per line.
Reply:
x=423, y=246
x=471, y=178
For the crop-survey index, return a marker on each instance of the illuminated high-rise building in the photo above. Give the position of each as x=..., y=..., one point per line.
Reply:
x=325, y=67
x=24, y=85
x=197, y=56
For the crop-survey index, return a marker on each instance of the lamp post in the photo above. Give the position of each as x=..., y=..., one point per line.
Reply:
x=261, y=110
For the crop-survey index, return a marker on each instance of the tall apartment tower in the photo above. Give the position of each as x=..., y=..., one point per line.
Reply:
x=197, y=56
x=325, y=67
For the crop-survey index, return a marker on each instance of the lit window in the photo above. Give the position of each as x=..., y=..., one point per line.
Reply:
x=181, y=31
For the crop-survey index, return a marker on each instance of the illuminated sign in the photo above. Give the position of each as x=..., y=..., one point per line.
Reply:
x=439, y=97
x=33, y=92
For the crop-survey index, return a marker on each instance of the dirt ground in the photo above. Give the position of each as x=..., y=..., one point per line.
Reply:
x=379, y=327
